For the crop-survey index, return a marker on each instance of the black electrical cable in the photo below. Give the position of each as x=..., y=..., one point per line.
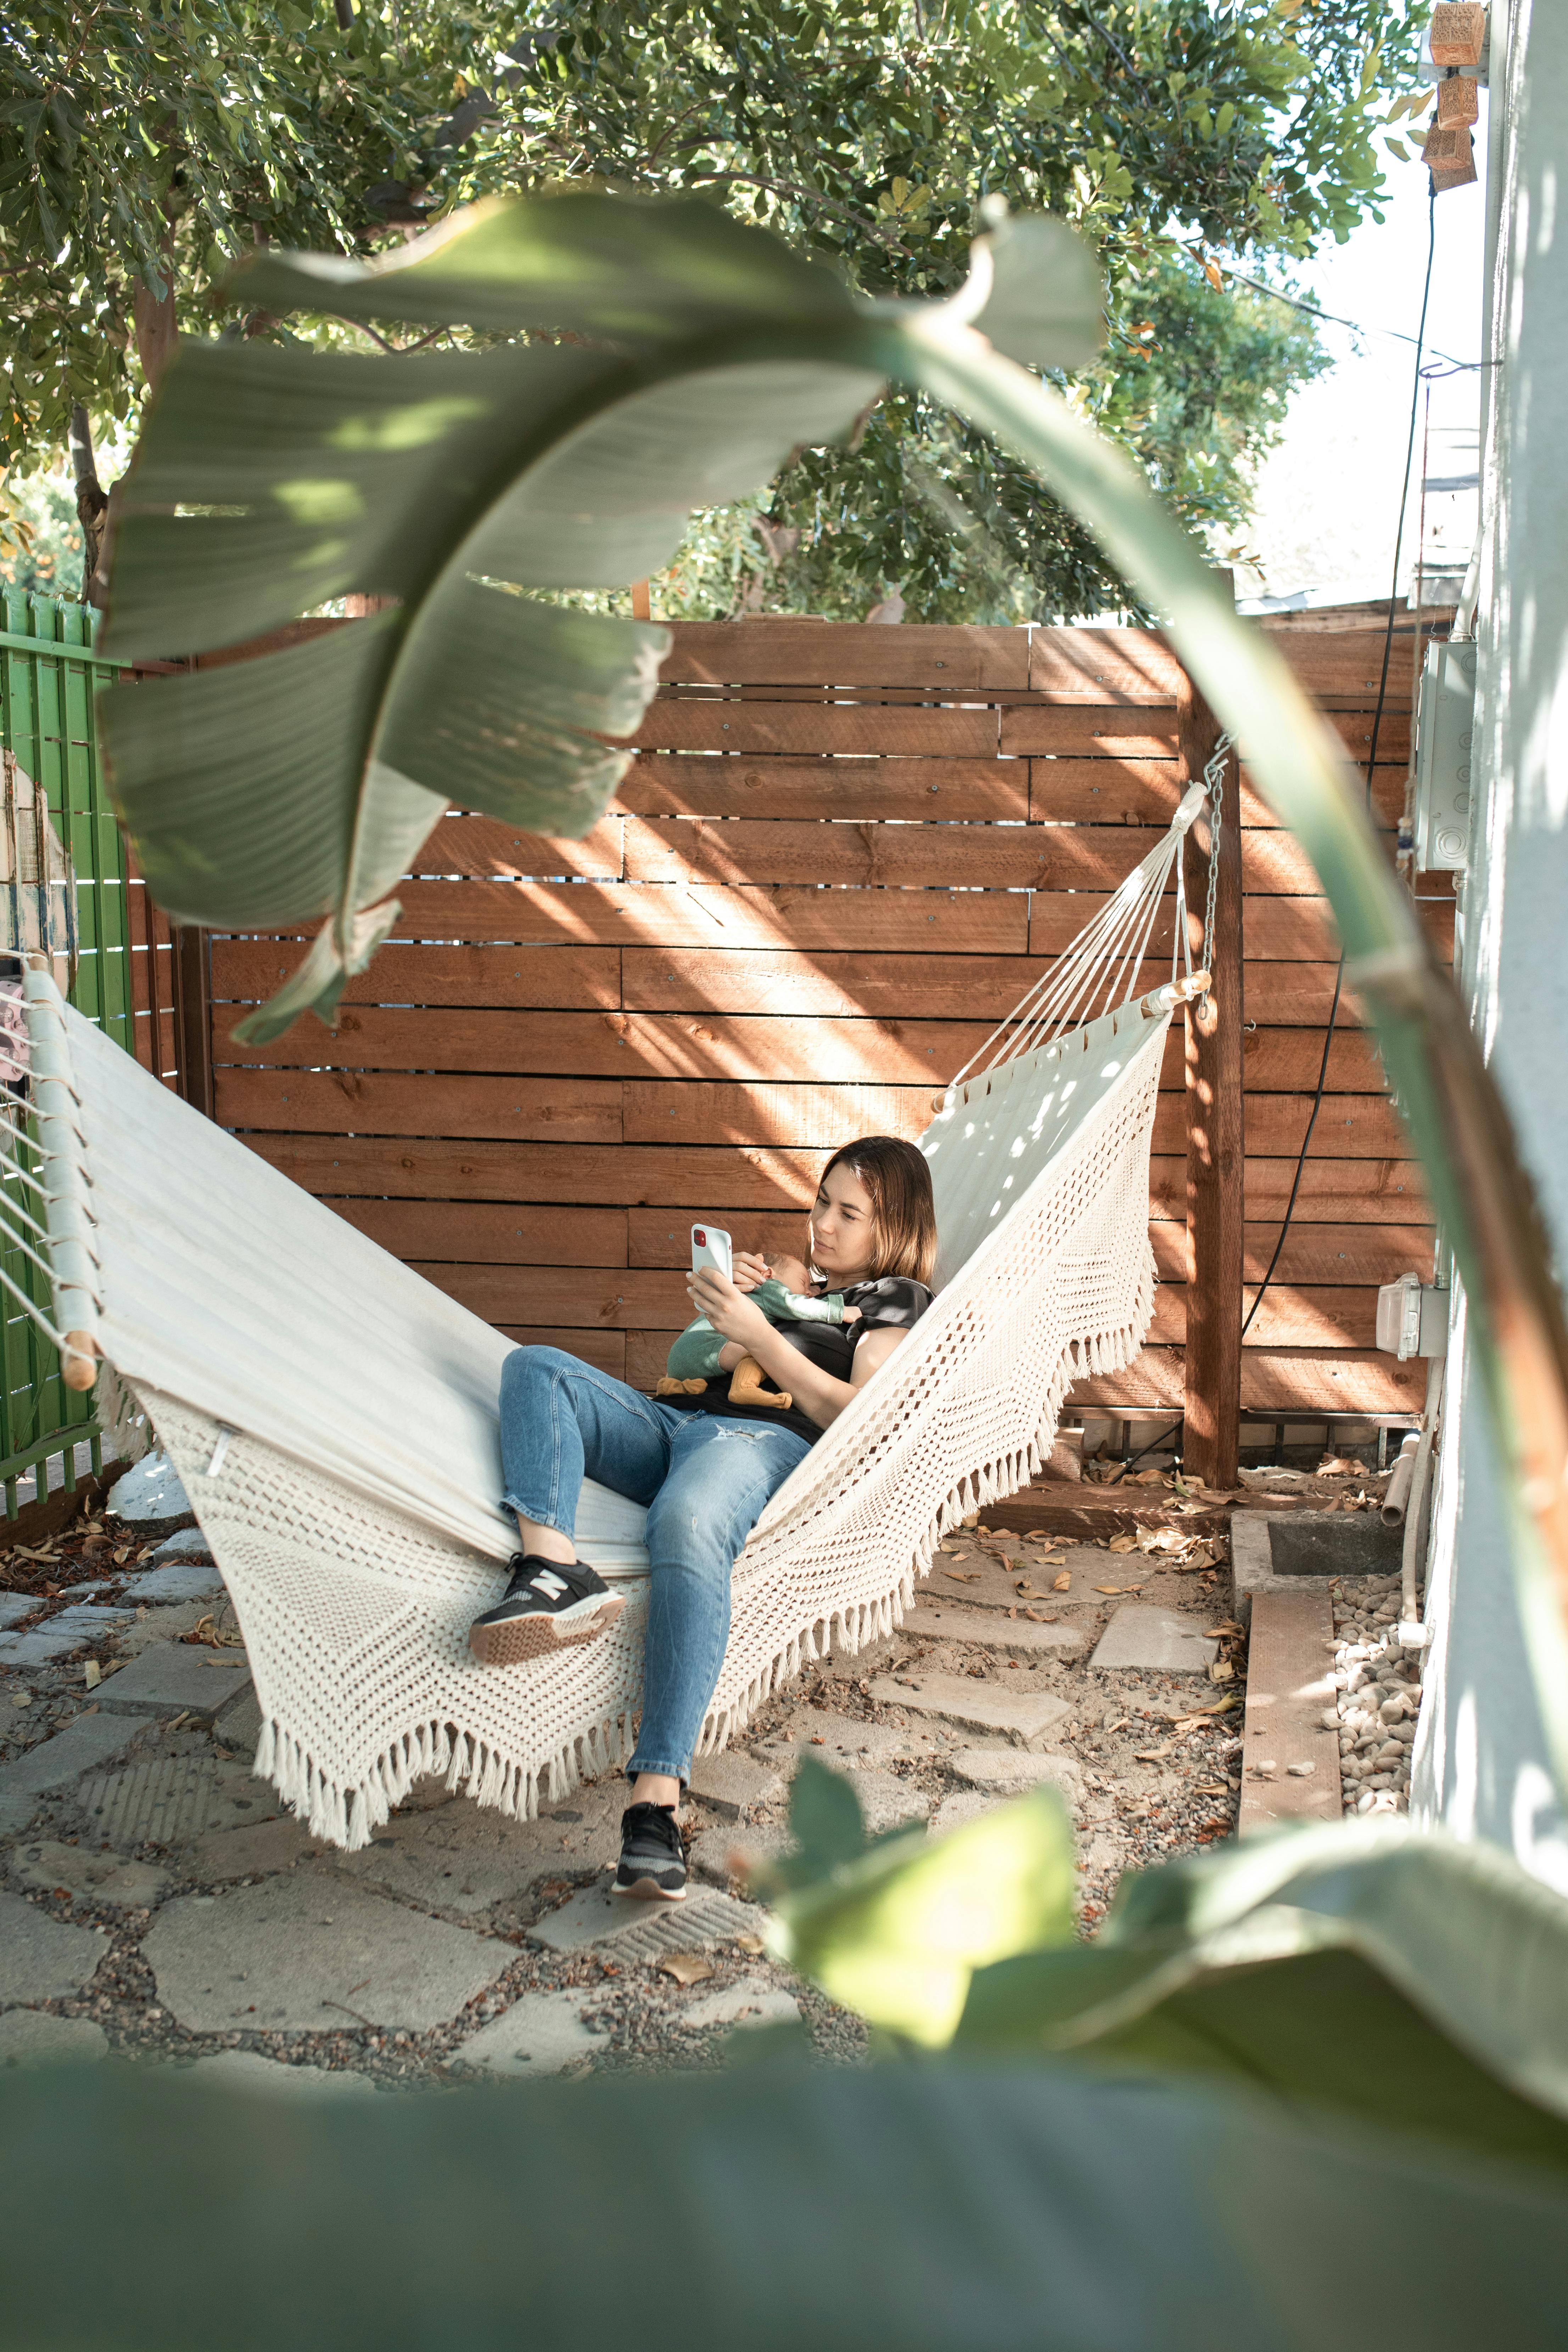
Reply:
x=1371, y=758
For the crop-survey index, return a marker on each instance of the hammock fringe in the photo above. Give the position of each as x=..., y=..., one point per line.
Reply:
x=348, y=1815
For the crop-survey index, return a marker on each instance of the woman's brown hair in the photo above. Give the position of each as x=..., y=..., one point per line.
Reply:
x=904, y=1214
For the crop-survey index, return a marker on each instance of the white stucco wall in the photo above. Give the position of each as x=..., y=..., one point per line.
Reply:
x=1480, y=1761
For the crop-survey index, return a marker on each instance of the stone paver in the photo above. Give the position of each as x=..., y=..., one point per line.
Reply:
x=973, y=1704
x=594, y=1916
x=173, y=1799
x=149, y=1494
x=32, y=2037
x=183, y=1579
x=540, y=2034
x=1010, y=1771
x=237, y=1726
x=256, y=1852
x=887, y=1802
x=1290, y=1759
x=14, y=1606
x=969, y=1804
x=752, y=2002
x=1153, y=1641
x=247, y=2070
x=715, y=1850
x=731, y=1782
x=466, y=1858
x=91, y=1741
x=186, y=1544
x=100, y=1877
x=842, y=1740
x=301, y=1954
x=944, y=1621
x=43, y=1958
x=177, y=1678
x=60, y=1634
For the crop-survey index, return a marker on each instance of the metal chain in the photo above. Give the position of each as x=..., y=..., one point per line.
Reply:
x=1213, y=777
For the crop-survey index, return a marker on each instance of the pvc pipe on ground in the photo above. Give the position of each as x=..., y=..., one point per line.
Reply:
x=1396, y=1499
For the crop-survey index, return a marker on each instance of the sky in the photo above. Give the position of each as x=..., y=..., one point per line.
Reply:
x=1328, y=497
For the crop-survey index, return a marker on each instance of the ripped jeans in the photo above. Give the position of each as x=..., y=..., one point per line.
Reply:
x=705, y=1482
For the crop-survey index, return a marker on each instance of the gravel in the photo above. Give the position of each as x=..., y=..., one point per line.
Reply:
x=1379, y=1690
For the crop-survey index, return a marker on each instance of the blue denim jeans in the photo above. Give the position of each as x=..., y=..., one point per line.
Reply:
x=704, y=1481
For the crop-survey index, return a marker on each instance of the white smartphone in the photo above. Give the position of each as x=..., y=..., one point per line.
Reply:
x=710, y=1247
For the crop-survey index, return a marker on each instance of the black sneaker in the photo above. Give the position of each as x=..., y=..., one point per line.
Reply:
x=548, y=1605
x=653, y=1858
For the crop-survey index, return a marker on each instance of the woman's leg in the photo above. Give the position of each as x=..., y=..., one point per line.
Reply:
x=721, y=1474
x=560, y=1422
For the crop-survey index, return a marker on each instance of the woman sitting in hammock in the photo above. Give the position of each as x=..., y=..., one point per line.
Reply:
x=705, y=1466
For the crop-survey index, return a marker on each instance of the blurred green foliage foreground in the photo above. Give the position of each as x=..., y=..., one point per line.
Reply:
x=1313, y=2079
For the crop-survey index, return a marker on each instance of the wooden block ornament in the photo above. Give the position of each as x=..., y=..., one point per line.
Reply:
x=1458, y=102
x=1459, y=32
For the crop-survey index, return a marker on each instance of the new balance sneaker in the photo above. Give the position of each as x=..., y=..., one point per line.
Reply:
x=548, y=1605
x=653, y=1858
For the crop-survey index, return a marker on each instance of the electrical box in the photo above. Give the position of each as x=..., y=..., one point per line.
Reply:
x=1445, y=733
x=1411, y=1319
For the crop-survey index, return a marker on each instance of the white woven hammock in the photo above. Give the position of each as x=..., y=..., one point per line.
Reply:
x=333, y=1416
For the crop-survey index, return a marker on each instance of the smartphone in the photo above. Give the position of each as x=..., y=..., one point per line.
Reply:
x=710, y=1247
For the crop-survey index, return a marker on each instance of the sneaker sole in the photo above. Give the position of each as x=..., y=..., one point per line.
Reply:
x=517, y=1638
x=648, y=1890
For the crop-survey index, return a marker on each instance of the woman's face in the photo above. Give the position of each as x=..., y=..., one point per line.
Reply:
x=843, y=1228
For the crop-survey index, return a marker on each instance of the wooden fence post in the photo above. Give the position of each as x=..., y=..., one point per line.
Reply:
x=1215, y=1139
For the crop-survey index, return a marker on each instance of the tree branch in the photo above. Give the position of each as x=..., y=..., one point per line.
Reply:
x=91, y=501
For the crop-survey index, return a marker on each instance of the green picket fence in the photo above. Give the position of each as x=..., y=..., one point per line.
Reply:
x=48, y=670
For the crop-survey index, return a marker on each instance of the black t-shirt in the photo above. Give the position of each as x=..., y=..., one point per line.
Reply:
x=892, y=1303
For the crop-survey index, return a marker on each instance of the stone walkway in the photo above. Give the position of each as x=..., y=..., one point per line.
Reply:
x=159, y=1902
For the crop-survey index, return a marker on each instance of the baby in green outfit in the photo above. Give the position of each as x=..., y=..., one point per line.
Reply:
x=785, y=1297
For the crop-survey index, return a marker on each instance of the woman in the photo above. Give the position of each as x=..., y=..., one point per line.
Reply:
x=704, y=1466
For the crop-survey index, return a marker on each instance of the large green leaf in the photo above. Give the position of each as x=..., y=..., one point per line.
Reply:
x=940, y=2207
x=896, y=1926
x=1395, y=1977
x=269, y=481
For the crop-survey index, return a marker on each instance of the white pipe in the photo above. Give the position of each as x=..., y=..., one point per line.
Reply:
x=1396, y=1501
x=1413, y=1633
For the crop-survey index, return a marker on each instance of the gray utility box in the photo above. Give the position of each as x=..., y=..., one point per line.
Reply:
x=1301, y=1551
x=1445, y=730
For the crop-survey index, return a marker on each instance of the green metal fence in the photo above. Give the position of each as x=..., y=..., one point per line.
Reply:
x=48, y=670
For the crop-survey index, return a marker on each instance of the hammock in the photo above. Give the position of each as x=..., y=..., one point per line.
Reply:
x=333, y=1416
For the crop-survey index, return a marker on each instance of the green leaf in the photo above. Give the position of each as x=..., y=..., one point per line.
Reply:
x=896, y=1931
x=1393, y=1975
x=921, y=2209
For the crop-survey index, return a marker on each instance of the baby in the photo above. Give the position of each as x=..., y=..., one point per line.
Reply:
x=785, y=1297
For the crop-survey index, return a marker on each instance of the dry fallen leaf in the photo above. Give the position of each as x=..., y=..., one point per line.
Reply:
x=962, y=1575
x=1222, y=1671
x=1147, y=1478
x=686, y=1968
x=1123, y=1543
x=1062, y=1584
x=91, y=1675
x=1149, y=1755
x=748, y=1943
x=1108, y=1588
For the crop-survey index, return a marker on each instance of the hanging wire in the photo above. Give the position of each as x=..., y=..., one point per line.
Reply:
x=1370, y=757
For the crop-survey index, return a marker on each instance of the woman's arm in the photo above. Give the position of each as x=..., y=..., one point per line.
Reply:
x=816, y=1393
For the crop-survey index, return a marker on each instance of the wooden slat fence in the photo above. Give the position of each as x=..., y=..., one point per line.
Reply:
x=842, y=853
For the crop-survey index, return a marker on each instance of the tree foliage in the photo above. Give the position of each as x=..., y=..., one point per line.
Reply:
x=143, y=148
x=870, y=133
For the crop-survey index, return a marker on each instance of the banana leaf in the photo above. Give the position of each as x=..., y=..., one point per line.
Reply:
x=1388, y=1974
x=269, y=793
x=944, y=2207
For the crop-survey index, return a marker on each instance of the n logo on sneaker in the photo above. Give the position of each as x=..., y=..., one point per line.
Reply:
x=546, y=1582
